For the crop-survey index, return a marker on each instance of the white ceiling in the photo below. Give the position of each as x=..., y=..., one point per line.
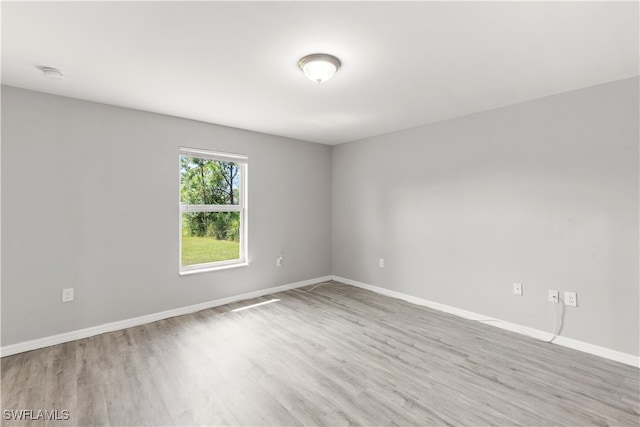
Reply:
x=235, y=63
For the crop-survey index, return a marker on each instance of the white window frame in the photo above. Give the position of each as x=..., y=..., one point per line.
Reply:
x=242, y=161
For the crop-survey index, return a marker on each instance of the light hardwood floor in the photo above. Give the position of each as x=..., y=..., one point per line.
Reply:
x=337, y=355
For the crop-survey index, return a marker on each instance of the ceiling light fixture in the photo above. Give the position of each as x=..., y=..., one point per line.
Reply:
x=52, y=73
x=319, y=67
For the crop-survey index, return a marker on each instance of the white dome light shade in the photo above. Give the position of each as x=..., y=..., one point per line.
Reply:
x=319, y=67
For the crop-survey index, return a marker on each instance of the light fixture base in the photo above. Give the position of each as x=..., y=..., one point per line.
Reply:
x=52, y=73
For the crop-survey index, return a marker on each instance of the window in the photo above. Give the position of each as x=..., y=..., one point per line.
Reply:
x=213, y=210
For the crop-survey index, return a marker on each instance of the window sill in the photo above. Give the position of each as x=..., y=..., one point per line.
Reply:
x=212, y=268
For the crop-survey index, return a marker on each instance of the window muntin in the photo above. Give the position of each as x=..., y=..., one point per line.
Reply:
x=212, y=210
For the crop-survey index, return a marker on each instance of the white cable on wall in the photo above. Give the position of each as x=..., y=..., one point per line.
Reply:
x=556, y=327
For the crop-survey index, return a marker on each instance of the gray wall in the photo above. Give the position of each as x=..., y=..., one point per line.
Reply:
x=89, y=201
x=544, y=193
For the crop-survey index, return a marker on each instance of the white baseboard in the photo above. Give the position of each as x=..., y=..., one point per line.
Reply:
x=136, y=321
x=596, y=350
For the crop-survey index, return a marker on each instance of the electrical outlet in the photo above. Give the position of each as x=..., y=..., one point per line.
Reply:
x=67, y=295
x=571, y=299
x=381, y=263
x=517, y=289
x=553, y=296
x=279, y=261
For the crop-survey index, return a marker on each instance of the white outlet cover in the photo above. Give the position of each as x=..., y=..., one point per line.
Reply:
x=67, y=295
x=571, y=299
x=553, y=296
x=381, y=263
x=517, y=289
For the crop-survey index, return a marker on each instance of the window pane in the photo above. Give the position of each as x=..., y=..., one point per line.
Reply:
x=210, y=237
x=209, y=182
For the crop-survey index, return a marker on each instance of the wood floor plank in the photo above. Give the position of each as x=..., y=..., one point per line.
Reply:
x=334, y=355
